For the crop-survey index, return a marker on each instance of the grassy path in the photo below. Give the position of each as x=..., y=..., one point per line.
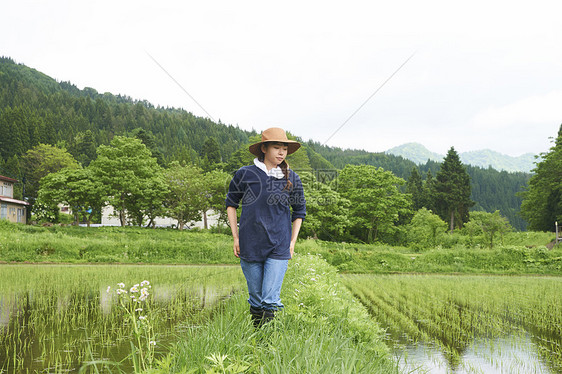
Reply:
x=322, y=330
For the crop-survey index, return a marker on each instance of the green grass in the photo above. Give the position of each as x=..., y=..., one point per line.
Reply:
x=20, y=243
x=521, y=253
x=60, y=316
x=323, y=329
x=63, y=316
x=354, y=258
x=452, y=312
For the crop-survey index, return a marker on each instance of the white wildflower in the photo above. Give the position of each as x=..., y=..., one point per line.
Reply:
x=121, y=285
x=138, y=310
x=108, y=289
x=144, y=283
x=152, y=342
x=142, y=318
x=135, y=288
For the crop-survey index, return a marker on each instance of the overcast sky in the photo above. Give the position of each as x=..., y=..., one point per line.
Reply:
x=484, y=74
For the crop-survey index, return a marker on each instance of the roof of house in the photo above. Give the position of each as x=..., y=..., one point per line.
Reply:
x=7, y=179
x=13, y=201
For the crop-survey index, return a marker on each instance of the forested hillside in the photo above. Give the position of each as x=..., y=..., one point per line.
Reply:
x=491, y=189
x=35, y=109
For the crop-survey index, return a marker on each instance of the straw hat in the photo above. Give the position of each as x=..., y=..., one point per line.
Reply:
x=274, y=134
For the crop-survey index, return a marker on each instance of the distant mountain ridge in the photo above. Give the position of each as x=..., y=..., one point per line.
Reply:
x=35, y=108
x=485, y=158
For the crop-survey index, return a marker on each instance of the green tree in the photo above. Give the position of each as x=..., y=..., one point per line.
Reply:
x=14, y=134
x=152, y=204
x=428, y=200
x=133, y=179
x=542, y=201
x=211, y=150
x=239, y=158
x=376, y=202
x=187, y=197
x=148, y=139
x=42, y=160
x=215, y=185
x=77, y=188
x=327, y=212
x=452, y=191
x=84, y=149
x=414, y=187
x=489, y=225
x=425, y=229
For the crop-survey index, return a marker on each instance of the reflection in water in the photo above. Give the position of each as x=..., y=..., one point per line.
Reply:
x=7, y=308
x=468, y=324
x=57, y=329
x=509, y=355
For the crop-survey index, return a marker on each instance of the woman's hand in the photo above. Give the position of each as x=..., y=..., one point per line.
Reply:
x=295, y=233
x=231, y=213
x=236, y=247
x=292, y=249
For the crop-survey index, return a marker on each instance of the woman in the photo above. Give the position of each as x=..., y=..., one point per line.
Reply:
x=267, y=191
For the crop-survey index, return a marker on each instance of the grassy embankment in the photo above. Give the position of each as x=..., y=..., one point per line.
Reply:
x=521, y=253
x=323, y=328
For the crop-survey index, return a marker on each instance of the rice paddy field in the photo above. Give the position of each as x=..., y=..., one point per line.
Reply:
x=102, y=318
x=67, y=313
x=180, y=319
x=467, y=323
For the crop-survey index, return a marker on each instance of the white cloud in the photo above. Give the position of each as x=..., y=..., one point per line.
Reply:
x=538, y=109
x=483, y=69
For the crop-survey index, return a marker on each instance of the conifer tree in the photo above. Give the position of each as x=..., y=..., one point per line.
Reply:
x=414, y=187
x=542, y=204
x=452, y=191
x=428, y=200
x=211, y=150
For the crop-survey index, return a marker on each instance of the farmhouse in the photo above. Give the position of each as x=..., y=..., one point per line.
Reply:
x=11, y=209
x=110, y=218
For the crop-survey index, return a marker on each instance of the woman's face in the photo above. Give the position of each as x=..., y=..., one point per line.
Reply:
x=274, y=153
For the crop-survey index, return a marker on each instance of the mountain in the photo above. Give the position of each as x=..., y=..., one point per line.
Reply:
x=415, y=152
x=35, y=108
x=484, y=158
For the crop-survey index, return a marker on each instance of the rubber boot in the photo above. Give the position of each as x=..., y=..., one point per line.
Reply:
x=257, y=316
x=268, y=315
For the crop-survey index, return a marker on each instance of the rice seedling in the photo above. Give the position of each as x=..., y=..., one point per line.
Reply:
x=323, y=329
x=474, y=322
x=102, y=317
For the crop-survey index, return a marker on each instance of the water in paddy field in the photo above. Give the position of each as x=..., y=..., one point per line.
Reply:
x=59, y=319
x=511, y=355
x=467, y=323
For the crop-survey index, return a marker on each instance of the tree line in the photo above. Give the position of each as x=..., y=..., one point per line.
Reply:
x=359, y=203
x=35, y=109
x=126, y=176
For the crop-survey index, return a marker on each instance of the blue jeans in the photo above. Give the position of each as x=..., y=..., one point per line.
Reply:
x=264, y=282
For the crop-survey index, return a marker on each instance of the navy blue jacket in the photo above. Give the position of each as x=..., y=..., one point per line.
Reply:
x=265, y=222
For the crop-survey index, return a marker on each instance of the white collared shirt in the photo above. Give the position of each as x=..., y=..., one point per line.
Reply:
x=275, y=172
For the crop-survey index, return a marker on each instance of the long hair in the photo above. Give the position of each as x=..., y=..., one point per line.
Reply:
x=284, y=165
